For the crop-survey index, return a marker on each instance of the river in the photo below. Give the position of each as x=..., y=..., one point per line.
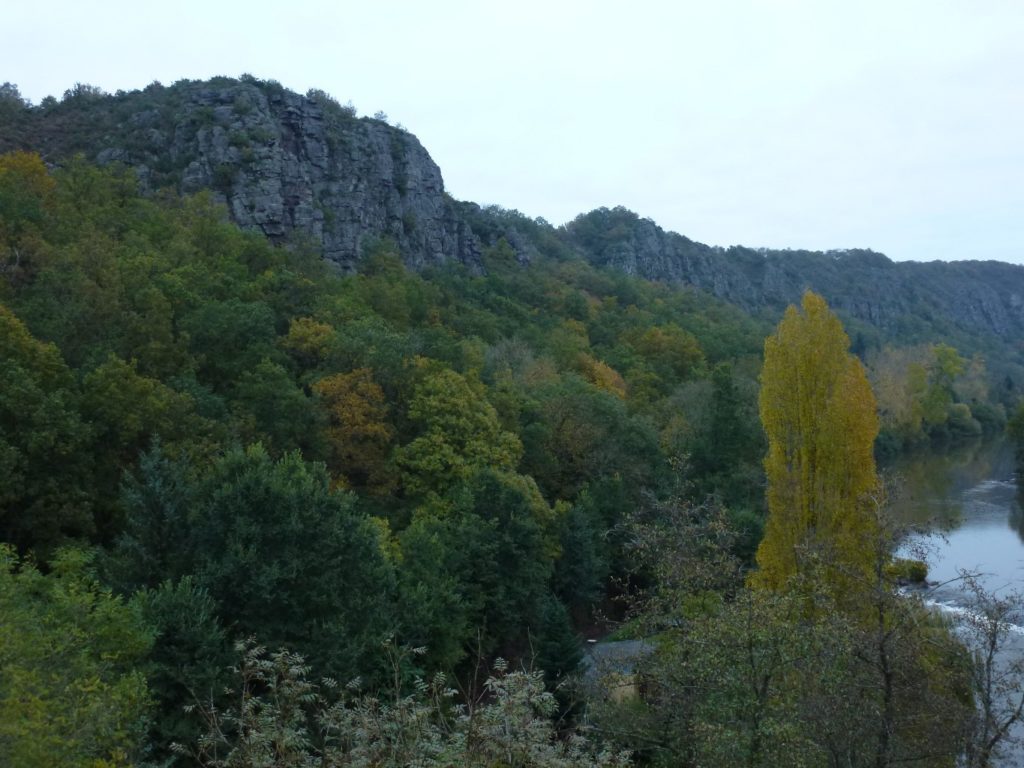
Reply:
x=968, y=497
x=967, y=494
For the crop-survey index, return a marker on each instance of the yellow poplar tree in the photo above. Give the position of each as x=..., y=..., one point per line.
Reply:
x=819, y=416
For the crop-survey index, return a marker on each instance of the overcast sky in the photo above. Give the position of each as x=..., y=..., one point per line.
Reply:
x=895, y=125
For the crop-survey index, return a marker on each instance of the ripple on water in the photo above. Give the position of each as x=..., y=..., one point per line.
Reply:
x=986, y=486
x=962, y=613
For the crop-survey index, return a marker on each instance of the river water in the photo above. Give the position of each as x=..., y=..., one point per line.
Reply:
x=968, y=497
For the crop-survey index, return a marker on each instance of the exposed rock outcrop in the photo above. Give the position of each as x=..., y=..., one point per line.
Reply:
x=305, y=168
x=286, y=165
x=973, y=296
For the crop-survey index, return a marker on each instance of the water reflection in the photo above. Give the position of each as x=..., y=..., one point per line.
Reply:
x=946, y=488
x=970, y=494
x=1016, y=514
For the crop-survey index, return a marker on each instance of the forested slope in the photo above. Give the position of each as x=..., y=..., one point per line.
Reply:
x=211, y=435
x=305, y=168
x=323, y=461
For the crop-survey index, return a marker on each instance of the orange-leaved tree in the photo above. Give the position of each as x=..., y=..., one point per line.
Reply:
x=360, y=432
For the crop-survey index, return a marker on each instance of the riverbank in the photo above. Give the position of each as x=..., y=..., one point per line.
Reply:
x=966, y=501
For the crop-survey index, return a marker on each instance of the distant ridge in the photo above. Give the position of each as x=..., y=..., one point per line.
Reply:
x=306, y=168
x=974, y=296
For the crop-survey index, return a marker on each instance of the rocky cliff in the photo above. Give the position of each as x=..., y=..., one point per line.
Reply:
x=304, y=167
x=972, y=296
x=286, y=165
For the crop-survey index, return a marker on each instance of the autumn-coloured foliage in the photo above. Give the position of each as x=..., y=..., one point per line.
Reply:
x=307, y=341
x=257, y=445
x=359, y=434
x=25, y=189
x=819, y=416
x=603, y=376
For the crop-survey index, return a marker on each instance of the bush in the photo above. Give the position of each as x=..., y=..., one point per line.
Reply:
x=238, y=139
x=223, y=175
x=910, y=571
x=1015, y=425
x=330, y=105
x=81, y=92
x=281, y=708
x=992, y=418
x=961, y=422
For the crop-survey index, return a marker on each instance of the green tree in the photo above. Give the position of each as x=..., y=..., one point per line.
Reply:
x=819, y=416
x=481, y=559
x=229, y=337
x=459, y=434
x=582, y=569
x=290, y=561
x=188, y=663
x=273, y=410
x=727, y=445
x=672, y=352
x=26, y=191
x=283, y=557
x=576, y=434
x=153, y=545
x=11, y=100
x=44, y=456
x=127, y=411
x=434, y=606
x=899, y=379
x=556, y=647
x=71, y=690
x=150, y=562
x=741, y=677
x=1015, y=429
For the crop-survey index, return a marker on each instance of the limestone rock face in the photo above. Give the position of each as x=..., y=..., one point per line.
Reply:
x=971, y=296
x=286, y=165
x=305, y=169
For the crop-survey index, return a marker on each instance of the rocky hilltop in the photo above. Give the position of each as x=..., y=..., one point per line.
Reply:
x=972, y=296
x=286, y=165
x=305, y=167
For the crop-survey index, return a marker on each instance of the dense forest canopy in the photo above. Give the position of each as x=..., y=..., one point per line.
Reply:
x=207, y=438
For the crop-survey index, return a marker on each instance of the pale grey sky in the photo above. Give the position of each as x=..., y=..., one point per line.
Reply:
x=896, y=125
